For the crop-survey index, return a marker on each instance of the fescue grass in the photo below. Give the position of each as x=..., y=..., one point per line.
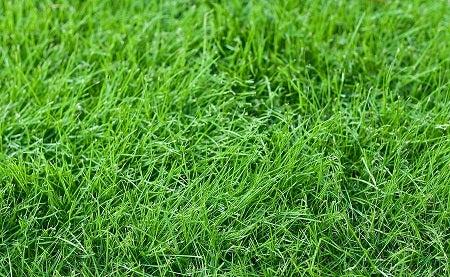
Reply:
x=239, y=138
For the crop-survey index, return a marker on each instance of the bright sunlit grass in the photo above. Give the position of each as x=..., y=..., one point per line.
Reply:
x=239, y=138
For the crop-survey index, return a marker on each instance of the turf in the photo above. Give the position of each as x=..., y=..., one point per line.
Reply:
x=239, y=138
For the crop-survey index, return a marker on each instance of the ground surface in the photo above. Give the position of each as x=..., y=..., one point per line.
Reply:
x=236, y=138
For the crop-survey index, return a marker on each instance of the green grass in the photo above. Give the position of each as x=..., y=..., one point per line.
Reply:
x=239, y=138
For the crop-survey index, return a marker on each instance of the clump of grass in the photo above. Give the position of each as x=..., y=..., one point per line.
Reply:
x=238, y=138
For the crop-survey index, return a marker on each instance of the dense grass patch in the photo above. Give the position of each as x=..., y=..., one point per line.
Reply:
x=241, y=138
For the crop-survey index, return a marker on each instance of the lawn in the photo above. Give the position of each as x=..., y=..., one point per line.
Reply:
x=237, y=138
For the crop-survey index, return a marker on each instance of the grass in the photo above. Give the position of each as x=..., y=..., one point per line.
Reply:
x=239, y=138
